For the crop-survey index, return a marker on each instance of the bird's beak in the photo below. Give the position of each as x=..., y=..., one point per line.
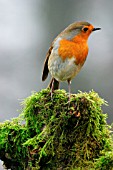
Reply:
x=95, y=29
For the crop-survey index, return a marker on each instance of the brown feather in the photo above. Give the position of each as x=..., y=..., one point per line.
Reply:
x=45, y=68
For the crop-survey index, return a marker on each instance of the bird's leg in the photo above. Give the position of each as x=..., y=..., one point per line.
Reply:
x=69, y=88
x=52, y=88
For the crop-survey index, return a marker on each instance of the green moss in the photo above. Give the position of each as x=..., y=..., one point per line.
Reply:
x=58, y=135
x=12, y=137
x=105, y=161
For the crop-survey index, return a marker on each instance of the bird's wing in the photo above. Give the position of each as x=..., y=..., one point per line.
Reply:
x=45, y=68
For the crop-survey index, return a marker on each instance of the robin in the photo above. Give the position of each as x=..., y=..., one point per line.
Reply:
x=67, y=54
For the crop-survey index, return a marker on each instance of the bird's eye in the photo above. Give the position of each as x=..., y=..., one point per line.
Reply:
x=85, y=29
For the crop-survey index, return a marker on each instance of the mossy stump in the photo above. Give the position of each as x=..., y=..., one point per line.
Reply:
x=58, y=135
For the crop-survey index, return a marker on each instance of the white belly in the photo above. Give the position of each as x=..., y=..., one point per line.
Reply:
x=62, y=70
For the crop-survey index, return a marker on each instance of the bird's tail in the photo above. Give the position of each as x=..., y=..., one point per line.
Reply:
x=54, y=84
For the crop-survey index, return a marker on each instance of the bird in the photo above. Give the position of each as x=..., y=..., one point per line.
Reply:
x=67, y=54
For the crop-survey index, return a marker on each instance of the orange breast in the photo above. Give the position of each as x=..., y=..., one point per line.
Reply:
x=77, y=49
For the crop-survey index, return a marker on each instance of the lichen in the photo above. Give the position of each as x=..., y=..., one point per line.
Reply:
x=53, y=134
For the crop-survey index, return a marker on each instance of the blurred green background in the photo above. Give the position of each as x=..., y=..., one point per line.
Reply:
x=27, y=28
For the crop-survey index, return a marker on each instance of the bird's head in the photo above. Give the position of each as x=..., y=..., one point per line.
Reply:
x=83, y=29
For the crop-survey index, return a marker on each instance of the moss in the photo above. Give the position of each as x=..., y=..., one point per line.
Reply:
x=105, y=161
x=58, y=135
x=12, y=137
